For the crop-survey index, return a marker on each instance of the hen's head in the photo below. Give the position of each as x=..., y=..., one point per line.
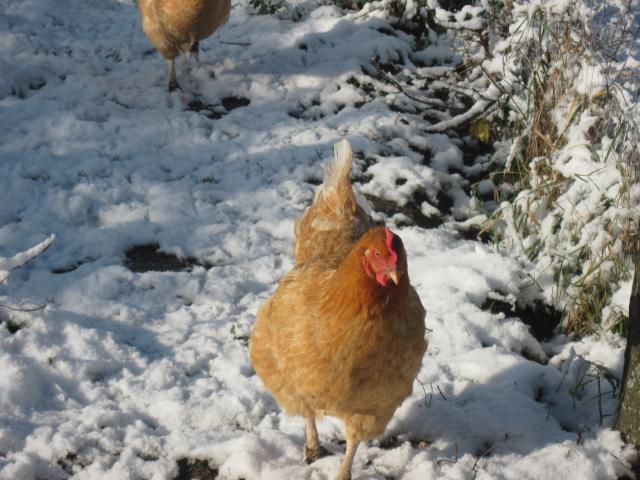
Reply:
x=384, y=257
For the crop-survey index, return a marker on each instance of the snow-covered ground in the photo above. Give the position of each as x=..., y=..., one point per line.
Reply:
x=111, y=373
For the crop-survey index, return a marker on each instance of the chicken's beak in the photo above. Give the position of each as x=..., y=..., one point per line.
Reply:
x=393, y=275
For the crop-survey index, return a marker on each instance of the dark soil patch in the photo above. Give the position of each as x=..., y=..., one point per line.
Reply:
x=475, y=149
x=392, y=442
x=313, y=180
x=366, y=87
x=214, y=112
x=307, y=112
x=243, y=339
x=411, y=210
x=387, y=31
x=192, y=468
x=445, y=202
x=298, y=114
x=67, y=463
x=231, y=103
x=426, y=154
x=66, y=269
x=147, y=258
x=542, y=319
x=475, y=232
x=12, y=326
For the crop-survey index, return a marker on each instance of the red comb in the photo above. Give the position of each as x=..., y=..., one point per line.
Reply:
x=389, y=242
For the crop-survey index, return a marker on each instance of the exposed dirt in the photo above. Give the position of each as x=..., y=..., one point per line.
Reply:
x=67, y=269
x=12, y=326
x=194, y=468
x=214, y=112
x=147, y=258
x=542, y=319
x=411, y=210
x=389, y=443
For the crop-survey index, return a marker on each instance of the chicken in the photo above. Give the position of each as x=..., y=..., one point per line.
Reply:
x=177, y=26
x=344, y=332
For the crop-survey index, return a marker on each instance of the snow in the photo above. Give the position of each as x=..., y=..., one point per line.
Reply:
x=119, y=374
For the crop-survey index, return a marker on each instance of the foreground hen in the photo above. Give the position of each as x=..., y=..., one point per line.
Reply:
x=177, y=26
x=344, y=333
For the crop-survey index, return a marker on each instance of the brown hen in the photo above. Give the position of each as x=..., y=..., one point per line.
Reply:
x=177, y=26
x=344, y=333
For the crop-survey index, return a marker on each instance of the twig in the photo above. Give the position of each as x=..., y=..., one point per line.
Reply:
x=383, y=76
x=427, y=404
x=441, y=394
x=21, y=309
x=543, y=137
x=431, y=103
x=448, y=460
x=239, y=44
x=599, y=402
x=486, y=452
x=610, y=392
x=492, y=80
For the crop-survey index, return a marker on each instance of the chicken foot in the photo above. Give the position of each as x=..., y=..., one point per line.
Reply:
x=312, y=449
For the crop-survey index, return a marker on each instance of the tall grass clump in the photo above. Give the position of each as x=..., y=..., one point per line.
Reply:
x=569, y=147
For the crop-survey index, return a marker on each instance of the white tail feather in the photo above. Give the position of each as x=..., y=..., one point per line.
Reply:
x=341, y=166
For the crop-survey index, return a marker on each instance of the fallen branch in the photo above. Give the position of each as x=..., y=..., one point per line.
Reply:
x=19, y=259
x=481, y=106
x=476, y=110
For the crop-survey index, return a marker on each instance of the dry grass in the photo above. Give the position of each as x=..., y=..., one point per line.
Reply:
x=586, y=275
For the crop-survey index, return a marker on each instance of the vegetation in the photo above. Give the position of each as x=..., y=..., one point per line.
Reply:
x=562, y=116
x=570, y=204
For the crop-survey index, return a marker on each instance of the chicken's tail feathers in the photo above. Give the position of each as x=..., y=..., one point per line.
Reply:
x=336, y=186
x=328, y=226
x=337, y=174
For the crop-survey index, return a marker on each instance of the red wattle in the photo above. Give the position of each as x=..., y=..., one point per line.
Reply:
x=382, y=278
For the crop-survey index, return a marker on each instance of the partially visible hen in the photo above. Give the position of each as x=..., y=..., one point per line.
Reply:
x=177, y=26
x=344, y=333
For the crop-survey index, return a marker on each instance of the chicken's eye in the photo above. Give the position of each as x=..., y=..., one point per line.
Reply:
x=377, y=253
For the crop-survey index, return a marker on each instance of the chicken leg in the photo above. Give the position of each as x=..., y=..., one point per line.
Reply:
x=349, y=454
x=312, y=449
x=173, y=81
x=195, y=51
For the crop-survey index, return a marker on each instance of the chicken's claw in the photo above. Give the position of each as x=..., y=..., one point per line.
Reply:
x=313, y=454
